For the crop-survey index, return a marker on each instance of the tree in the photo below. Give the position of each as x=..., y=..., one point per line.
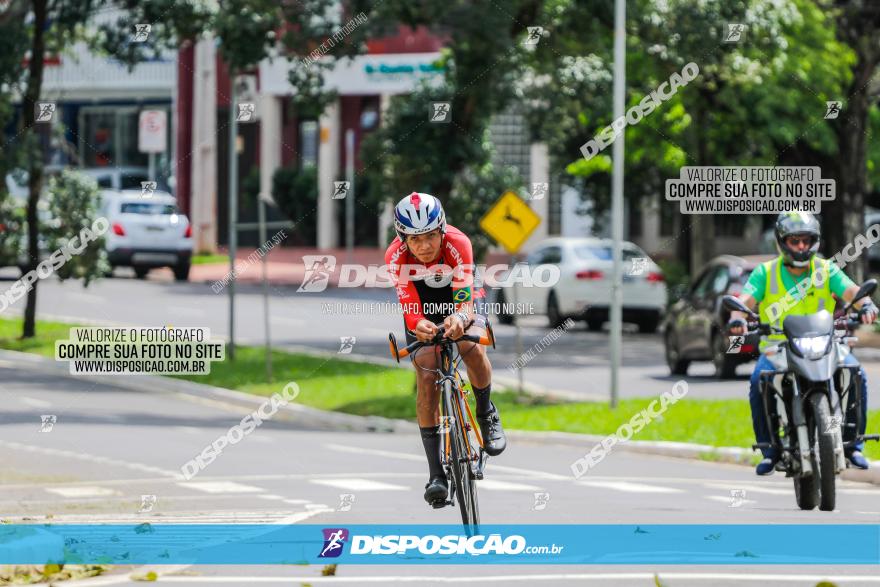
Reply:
x=858, y=26
x=481, y=64
x=750, y=105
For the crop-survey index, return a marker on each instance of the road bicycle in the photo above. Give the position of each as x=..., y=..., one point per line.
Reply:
x=461, y=444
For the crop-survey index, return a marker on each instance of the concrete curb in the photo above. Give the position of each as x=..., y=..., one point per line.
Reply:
x=312, y=417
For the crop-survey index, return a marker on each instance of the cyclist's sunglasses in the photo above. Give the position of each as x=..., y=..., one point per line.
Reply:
x=796, y=240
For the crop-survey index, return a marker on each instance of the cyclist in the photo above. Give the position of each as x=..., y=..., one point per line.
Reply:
x=425, y=254
x=797, y=240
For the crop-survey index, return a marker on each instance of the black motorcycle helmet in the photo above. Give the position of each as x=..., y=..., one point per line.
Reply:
x=797, y=223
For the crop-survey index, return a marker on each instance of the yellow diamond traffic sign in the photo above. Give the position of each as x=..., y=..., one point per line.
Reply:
x=510, y=222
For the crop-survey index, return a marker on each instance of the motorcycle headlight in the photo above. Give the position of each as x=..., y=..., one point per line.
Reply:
x=812, y=347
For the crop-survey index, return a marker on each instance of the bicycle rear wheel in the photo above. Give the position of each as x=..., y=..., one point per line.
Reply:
x=462, y=468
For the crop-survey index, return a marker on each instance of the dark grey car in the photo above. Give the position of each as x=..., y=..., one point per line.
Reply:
x=695, y=321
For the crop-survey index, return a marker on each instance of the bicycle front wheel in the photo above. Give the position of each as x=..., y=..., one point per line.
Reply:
x=462, y=469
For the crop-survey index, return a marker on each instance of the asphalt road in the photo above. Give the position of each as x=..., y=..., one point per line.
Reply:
x=110, y=446
x=575, y=364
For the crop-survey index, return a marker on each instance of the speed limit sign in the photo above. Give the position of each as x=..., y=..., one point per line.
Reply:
x=152, y=131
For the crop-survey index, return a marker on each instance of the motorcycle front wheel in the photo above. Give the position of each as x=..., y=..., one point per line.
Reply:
x=827, y=466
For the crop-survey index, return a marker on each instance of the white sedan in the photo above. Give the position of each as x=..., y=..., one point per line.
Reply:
x=147, y=231
x=583, y=291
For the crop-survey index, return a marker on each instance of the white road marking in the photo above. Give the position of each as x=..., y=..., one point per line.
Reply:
x=318, y=506
x=186, y=517
x=847, y=491
x=296, y=501
x=647, y=577
x=628, y=487
x=494, y=484
x=727, y=500
x=752, y=488
x=34, y=402
x=220, y=487
x=270, y=496
x=94, y=459
x=354, y=484
x=409, y=457
x=83, y=491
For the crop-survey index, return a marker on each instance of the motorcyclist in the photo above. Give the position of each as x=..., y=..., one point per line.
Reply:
x=775, y=283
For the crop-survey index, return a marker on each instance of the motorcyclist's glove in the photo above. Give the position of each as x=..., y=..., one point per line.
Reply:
x=868, y=308
x=734, y=322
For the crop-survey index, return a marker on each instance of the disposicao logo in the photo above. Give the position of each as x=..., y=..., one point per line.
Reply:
x=334, y=540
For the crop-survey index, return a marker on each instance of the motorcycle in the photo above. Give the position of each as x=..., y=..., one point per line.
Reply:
x=803, y=394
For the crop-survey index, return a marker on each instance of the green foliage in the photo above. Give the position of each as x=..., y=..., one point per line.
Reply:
x=473, y=193
x=675, y=272
x=296, y=193
x=11, y=228
x=73, y=206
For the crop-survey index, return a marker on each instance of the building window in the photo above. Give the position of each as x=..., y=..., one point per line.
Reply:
x=308, y=140
x=108, y=137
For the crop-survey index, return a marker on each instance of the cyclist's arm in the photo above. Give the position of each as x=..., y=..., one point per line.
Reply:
x=462, y=253
x=407, y=294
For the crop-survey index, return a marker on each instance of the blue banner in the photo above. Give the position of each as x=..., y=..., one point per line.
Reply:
x=709, y=544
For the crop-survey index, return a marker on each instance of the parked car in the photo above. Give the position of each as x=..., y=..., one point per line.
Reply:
x=583, y=291
x=147, y=232
x=122, y=178
x=695, y=322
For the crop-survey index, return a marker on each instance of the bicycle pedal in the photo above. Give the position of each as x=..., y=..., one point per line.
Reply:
x=440, y=504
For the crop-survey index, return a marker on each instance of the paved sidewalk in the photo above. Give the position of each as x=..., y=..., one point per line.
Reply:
x=285, y=265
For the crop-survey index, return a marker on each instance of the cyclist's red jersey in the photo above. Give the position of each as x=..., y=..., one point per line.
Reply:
x=416, y=295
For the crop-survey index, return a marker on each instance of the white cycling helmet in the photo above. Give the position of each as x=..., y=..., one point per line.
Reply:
x=417, y=214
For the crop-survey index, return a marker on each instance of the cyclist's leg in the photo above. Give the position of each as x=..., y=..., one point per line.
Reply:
x=428, y=412
x=479, y=369
x=480, y=375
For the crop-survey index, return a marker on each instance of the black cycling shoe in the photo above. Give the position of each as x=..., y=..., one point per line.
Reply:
x=436, y=491
x=494, y=441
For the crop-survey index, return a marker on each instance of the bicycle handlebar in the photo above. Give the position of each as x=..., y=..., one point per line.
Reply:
x=397, y=352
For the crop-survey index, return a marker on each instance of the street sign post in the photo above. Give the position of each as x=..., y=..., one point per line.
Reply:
x=510, y=222
x=617, y=198
x=152, y=136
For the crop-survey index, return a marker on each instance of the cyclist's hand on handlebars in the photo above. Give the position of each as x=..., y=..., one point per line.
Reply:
x=454, y=327
x=868, y=312
x=425, y=330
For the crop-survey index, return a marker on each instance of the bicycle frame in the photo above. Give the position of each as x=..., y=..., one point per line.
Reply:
x=455, y=407
x=462, y=459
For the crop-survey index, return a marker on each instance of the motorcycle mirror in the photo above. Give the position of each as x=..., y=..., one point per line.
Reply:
x=865, y=290
x=733, y=304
